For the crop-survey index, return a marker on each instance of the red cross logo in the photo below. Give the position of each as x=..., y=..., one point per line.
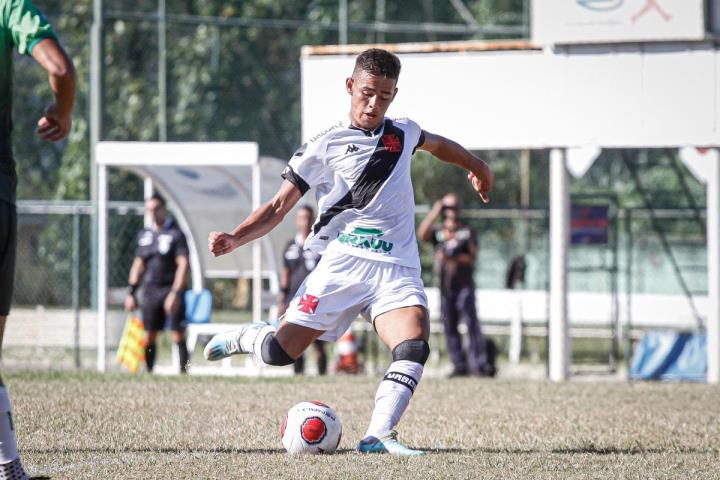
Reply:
x=391, y=142
x=652, y=5
x=308, y=304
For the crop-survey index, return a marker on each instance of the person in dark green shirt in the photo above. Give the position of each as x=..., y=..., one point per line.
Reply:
x=25, y=29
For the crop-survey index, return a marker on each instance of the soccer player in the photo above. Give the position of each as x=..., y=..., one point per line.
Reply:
x=298, y=263
x=24, y=28
x=360, y=168
x=161, y=260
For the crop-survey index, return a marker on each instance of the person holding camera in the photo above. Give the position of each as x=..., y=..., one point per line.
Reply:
x=455, y=253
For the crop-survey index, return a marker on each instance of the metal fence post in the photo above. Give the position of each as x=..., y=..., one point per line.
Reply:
x=76, y=283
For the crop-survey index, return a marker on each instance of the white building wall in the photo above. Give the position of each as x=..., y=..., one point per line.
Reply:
x=652, y=95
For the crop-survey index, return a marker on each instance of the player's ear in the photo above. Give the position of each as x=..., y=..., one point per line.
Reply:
x=394, y=94
x=349, y=85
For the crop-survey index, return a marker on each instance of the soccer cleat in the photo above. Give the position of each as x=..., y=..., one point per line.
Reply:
x=235, y=342
x=387, y=444
x=12, y=471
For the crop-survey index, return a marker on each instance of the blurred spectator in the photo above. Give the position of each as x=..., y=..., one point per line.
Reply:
x=298, y=263
x=516, y=272
x=454, y=261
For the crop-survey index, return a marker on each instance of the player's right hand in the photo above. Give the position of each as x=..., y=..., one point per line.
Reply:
x=220, y=243
x=54, y=125
x=130, y=303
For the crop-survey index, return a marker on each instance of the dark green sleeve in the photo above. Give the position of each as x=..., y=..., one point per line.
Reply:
x=27, y=26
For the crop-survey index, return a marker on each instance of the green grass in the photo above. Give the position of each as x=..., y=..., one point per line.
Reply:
x=117, y=426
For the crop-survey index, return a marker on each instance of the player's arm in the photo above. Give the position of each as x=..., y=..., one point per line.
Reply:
x=425, y=230
x=260, y=222
x=137, y=270
x=172, y=301
x=55, y=124
x=284, y=286
x=480, y=176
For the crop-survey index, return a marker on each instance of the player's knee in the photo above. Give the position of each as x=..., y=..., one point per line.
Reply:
x=273, y=353
x=413, y=350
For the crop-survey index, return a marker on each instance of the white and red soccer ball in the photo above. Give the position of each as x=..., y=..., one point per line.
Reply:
x=311, y=427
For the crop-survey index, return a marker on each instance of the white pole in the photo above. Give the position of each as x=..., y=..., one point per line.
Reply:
x=148, y=188
x=102, y=266
x=559, y=338
x=256, y=251
x=713, y=257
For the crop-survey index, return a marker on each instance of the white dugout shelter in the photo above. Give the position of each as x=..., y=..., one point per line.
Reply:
x=210, y=186
x=596, y=74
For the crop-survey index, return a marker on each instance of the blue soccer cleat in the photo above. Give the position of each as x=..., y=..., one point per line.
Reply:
x=236, y=342
x=387, y=444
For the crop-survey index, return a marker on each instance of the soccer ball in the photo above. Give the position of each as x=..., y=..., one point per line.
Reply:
x=311, y=427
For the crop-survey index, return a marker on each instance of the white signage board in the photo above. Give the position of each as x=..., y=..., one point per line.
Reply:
x=611, y=21
x=606, y=96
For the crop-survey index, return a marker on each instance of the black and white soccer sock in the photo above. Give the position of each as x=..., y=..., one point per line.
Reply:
x=8, y=442
x=259, y=339
x=393, y=396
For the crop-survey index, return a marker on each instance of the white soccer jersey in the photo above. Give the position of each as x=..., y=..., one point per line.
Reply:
x=364, y=191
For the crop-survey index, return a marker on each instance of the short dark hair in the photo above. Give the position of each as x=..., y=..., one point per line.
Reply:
x=309, y=209
x=159, y=198
x=377, y=61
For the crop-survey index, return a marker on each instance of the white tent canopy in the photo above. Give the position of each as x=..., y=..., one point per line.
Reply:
x=210, y=186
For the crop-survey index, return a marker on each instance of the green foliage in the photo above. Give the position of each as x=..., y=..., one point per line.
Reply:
x=225, y=81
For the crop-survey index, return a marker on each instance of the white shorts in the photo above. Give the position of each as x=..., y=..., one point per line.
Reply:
x=344, y=286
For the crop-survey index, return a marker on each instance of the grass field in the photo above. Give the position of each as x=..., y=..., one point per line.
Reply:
x=116, y=426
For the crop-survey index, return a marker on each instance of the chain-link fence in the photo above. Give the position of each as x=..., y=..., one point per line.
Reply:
x=54, y=257
x=53, y=321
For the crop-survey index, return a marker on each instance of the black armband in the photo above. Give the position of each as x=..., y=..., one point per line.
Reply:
x=285, y=291
x=132, y=289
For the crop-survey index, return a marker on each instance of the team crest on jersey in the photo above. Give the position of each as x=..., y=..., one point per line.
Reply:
x=367, y=239
x=308, y=304
x=164, y=242
x=391, y=142
x=146, y=239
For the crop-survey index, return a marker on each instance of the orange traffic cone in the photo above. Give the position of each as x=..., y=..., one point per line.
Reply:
x=347, y=354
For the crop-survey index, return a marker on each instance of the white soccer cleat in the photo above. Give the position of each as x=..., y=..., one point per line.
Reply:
x=13, y=471
x=235, y=342
x=387, y=444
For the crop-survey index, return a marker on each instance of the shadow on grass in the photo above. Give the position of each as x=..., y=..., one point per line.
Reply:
x=152, y=450
x=572, y=451
x=631, y=451
x=593, y=450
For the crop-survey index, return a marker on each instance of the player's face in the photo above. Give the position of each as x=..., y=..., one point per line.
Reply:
x=303, y=221
x=451, y=221
x=370, y=97
x=156, y=211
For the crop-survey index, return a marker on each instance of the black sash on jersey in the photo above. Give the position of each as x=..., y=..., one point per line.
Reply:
x=376, y=172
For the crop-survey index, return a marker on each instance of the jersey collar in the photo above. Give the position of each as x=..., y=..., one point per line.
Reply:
x=368, y=133
x=165, y=226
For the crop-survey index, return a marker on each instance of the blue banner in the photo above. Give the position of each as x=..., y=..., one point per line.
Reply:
x=670, y=356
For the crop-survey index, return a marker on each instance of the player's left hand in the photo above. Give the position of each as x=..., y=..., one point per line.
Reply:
x=172, y=302
x=483, y=187
x=54, y=125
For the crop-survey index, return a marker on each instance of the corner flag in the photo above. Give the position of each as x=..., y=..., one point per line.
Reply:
x=131, y=351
